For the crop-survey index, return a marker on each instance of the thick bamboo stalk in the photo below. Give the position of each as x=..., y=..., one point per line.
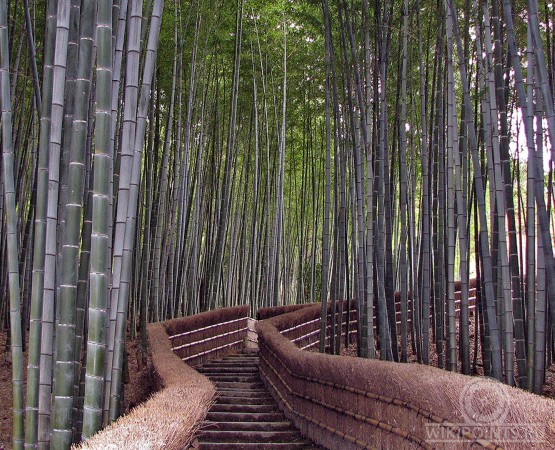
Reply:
x=35, y=329
x=67, y=357
x=51, y=251
x=101, y=225
x=69, y=108
x=132, y=207
x=130, y=99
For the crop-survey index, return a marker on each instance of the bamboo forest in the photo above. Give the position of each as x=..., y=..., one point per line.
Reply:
x=391, y=159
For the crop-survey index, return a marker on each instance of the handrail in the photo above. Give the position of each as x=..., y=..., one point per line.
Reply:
x=198, y=330
x=208, y=334
x=353, y=403
x=171, y=417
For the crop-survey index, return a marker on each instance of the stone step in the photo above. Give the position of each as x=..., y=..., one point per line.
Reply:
x=231, y=400
x=250, y=351
x=233, y=359
x=239, y=356
x=249, y=426
x=232, y=368
x=246, y=393
x=250, y=436
x=238, y=385
x=237, y=361
x=255, y=446
x=220, y=416
x=218, y=407
x=234, y=378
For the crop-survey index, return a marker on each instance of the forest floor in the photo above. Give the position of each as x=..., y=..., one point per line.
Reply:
x=548, y=389
x=477, y=367
x=138, y=385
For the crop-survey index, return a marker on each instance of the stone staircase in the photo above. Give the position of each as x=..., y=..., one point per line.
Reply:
x=244, y=416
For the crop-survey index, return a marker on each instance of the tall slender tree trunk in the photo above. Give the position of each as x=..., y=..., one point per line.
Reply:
x=67, y=358
x=497, y=370
x=101, y=225
x=217, y=257
x=11, y=232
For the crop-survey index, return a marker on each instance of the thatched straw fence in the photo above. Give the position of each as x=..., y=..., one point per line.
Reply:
x=353, y=403
x=171, y=417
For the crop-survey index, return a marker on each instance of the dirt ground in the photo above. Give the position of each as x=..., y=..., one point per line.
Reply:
x=548, y=389
x=477, y=369
x=138, y=386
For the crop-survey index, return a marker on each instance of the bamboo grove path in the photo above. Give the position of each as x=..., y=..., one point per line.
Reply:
x=245, y=415
x=273, y=394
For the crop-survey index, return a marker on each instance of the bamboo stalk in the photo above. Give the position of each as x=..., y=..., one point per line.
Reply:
x=101, y=224
x=11, y=232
